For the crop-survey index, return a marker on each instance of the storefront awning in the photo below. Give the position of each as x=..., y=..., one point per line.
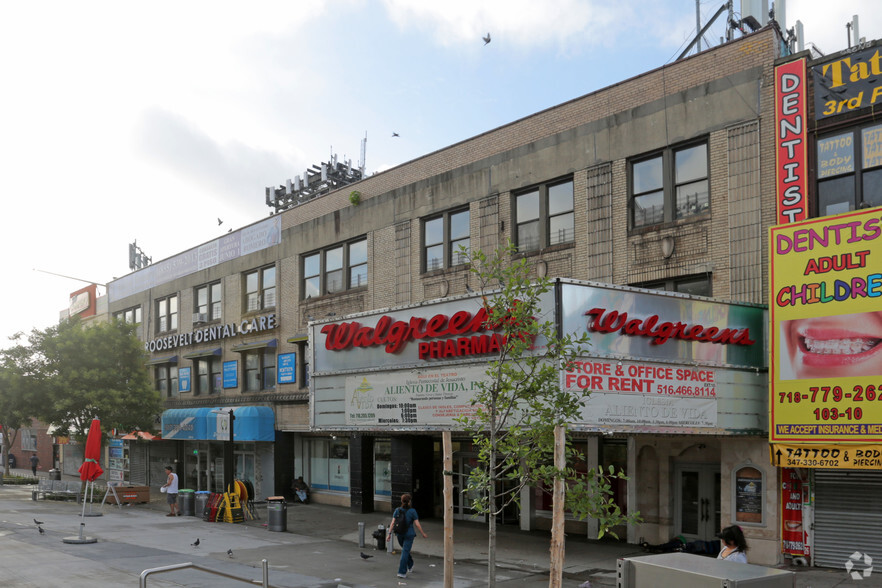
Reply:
x=142, y=435
x=162, y=360
x=203, y=353
x=255, y=345
x=252, y=423
x=298, y=338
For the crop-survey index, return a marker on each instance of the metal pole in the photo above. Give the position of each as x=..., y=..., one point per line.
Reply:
x=698, y=24
x=447, y=446
x=361, y=534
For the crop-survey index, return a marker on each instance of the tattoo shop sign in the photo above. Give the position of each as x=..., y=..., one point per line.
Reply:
x=644, y=394
x=420, y=397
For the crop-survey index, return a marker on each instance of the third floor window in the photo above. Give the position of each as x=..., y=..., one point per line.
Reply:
x=670, y=185
x=167, y=314
x=336, y=269
x=544, y=216
x=260, y=289
x=207, y=301
x=443, y=236
x=849, y=170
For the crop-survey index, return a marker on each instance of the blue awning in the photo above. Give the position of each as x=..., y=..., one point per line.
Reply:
x=255, y=345
x=185, y=423
x=216, y=352
x=162, y=360
x=252, y=423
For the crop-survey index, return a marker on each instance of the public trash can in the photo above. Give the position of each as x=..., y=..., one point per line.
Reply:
x=276, y=513
x=186, y=503
x=54, y=474
x=201, y=501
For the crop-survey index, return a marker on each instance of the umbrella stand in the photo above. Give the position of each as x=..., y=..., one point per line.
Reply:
x=81, y=539
x=91, y=495
x=88, y=472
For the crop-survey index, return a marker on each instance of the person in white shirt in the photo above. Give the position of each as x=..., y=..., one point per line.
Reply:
x=734, y=544
x=171, y=491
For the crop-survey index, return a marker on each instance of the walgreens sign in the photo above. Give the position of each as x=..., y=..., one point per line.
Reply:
x=469, y=329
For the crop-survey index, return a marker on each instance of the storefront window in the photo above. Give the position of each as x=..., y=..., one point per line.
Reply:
x=318, y=464
x=383, y=467
x=338, y=465
x=543, y=496
x=329, y=464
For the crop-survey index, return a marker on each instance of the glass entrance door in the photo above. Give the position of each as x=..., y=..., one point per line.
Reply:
x=462, y=497
x=697, y=501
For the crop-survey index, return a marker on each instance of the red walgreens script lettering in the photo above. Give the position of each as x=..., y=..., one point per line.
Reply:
x=395, y=334
x=612, y=321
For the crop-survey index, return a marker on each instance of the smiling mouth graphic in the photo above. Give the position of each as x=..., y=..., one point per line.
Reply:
x=848, y=346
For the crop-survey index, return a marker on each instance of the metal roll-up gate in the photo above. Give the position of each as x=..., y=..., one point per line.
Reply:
x=848, y=515
x=137, y=464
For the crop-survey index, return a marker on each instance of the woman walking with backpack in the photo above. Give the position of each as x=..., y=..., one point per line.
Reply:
x=404, y=519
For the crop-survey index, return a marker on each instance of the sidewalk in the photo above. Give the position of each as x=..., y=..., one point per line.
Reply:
x=518, y=553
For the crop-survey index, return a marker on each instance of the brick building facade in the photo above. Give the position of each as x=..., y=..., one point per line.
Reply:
x=657, y=182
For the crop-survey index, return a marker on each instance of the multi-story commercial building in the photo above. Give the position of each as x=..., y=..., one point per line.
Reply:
x=826, y=319
x=659, y=183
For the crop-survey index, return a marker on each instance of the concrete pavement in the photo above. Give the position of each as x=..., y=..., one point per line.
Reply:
x=320, y=548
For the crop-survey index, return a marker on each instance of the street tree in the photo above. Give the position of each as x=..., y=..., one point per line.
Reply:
x=92, y=371
x=19, y=398
x=520, y=408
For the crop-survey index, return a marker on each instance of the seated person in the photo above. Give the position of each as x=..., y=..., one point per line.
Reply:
x=301, y=490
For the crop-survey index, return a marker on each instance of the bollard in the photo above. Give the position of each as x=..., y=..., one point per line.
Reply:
x=361, y=534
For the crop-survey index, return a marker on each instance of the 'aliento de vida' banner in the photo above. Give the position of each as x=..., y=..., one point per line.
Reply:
x=644, y=394
x=422, y=397
x=826, y=335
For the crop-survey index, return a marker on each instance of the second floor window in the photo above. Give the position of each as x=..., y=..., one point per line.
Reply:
x=443, y=236
x=335, y=269
x=670, y=185
x=544, y=216
x=260, y=289
x=166, y=380
x=207, y=302
x=167, y=314
x=208, y=375
x=693, y=285
x=260, y=369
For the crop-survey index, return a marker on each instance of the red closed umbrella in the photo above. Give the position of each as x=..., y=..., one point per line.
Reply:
x=90, y=470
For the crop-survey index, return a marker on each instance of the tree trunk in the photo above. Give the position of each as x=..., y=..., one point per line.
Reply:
x=491, y=511
x=447, y=445
x=555, y=575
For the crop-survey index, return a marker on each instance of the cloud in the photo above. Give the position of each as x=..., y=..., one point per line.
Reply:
x=520, y=23
x=232, y=169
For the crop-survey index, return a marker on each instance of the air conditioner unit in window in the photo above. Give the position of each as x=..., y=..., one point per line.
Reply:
x=200, y=317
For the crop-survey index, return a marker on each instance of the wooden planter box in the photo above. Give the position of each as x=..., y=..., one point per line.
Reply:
x=130, y=494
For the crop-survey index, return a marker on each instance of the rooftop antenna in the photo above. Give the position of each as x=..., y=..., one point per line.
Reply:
x=363, y=158
x=852, y=27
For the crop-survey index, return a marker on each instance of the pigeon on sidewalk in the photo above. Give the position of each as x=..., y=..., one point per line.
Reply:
x=365, y=556
x=195, y=543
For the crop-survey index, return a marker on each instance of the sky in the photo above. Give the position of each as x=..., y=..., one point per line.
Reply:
x=127, y=122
